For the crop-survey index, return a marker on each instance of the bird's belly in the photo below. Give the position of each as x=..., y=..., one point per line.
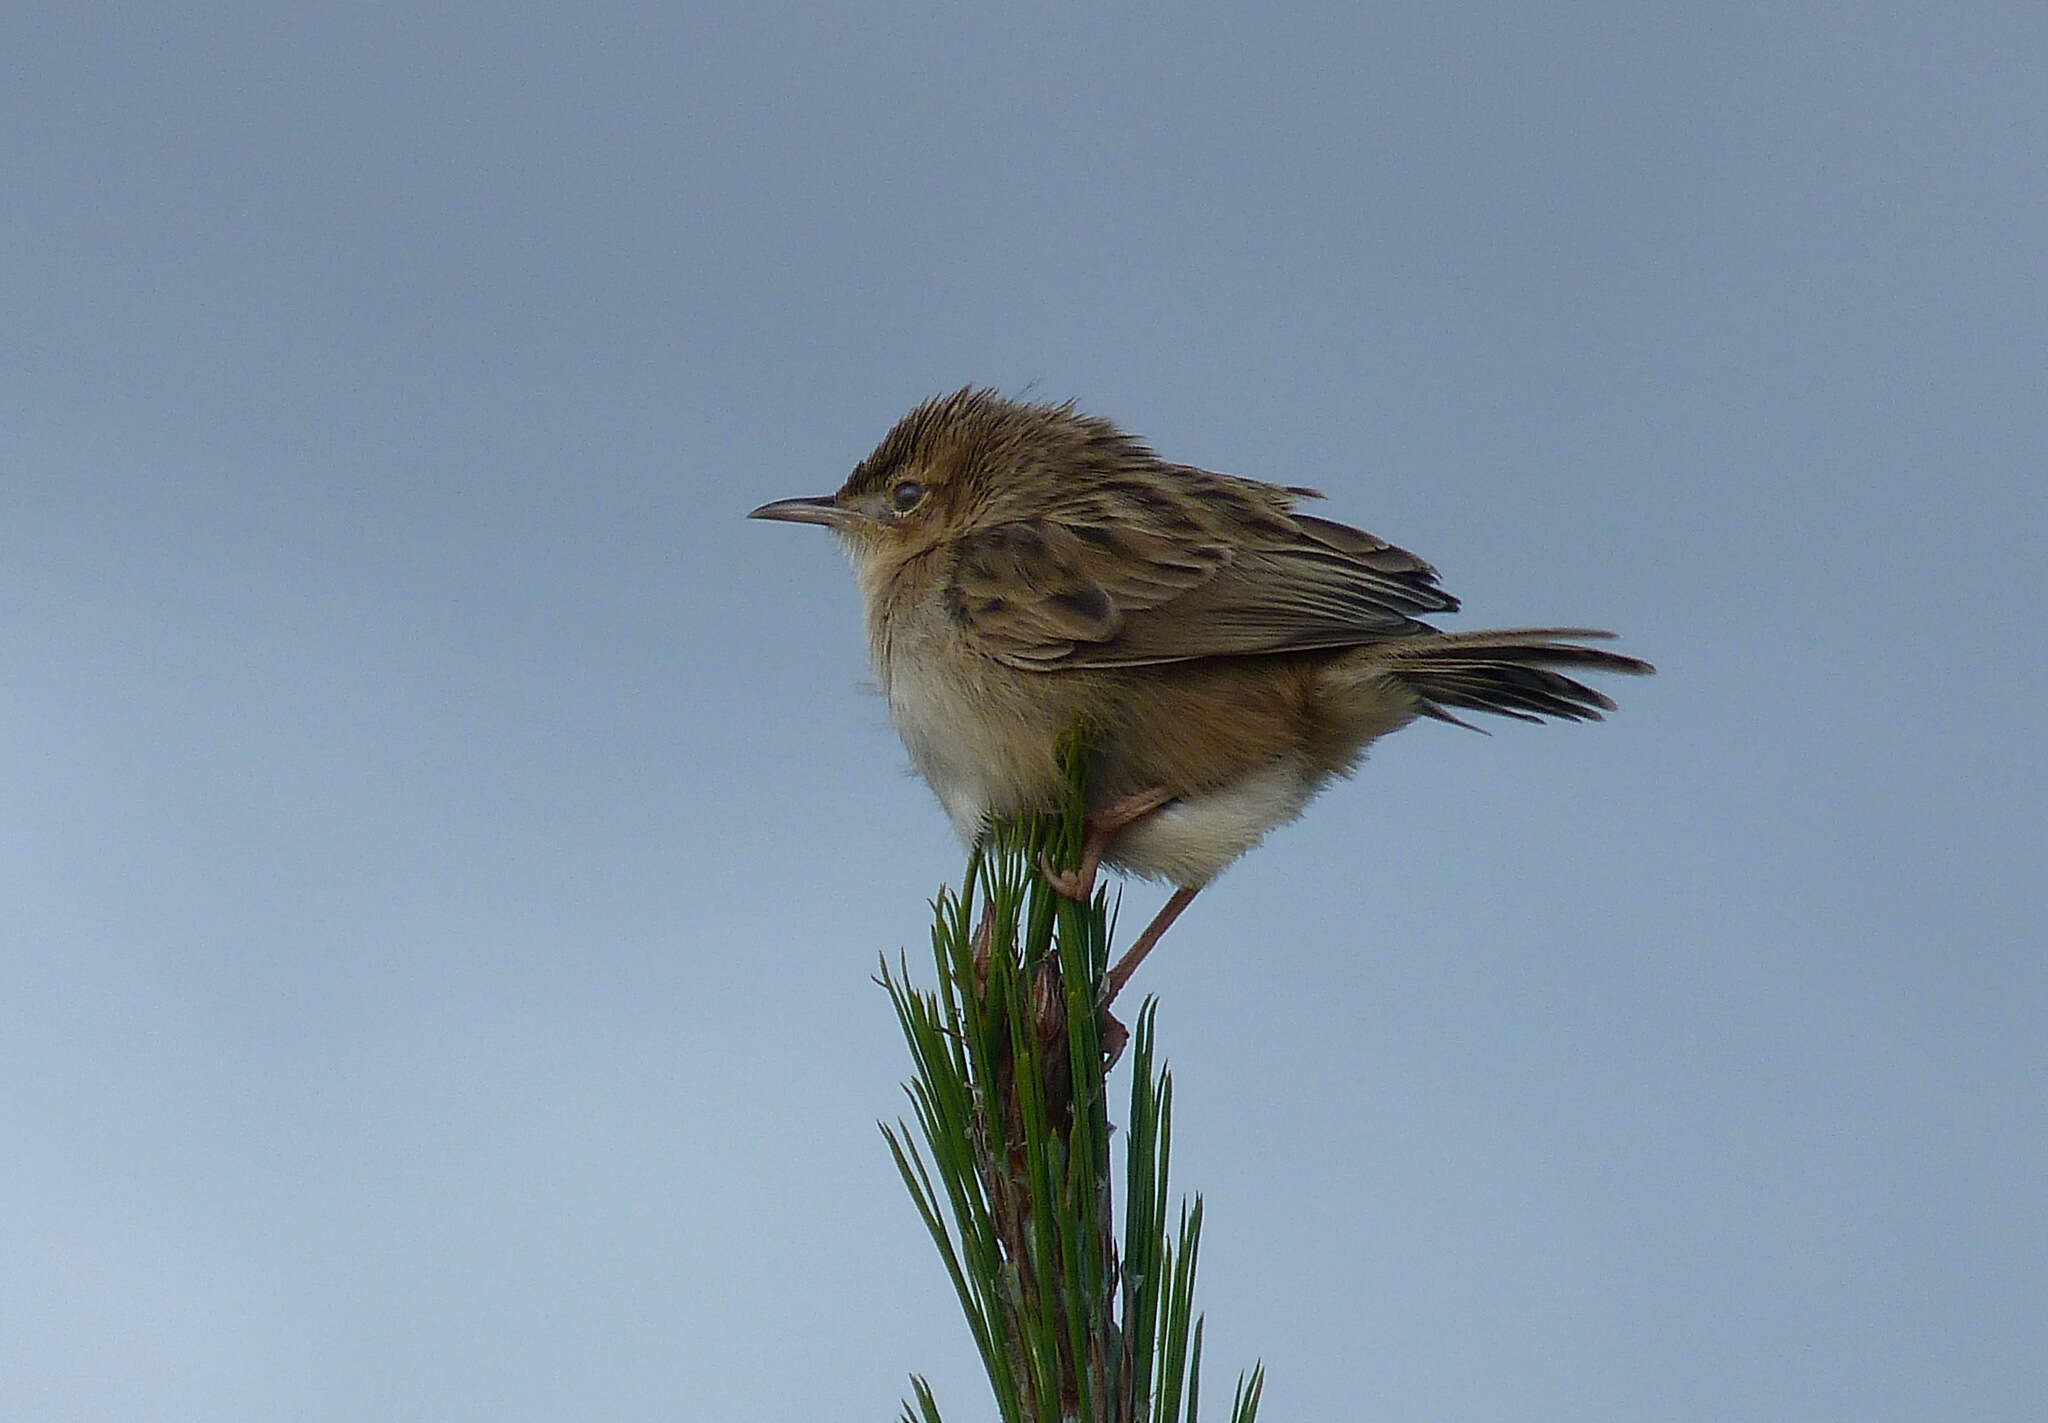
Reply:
x=1191, y=840
x=978, y=762
x=964, y=794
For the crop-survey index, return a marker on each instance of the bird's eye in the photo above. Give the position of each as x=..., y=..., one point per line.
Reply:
x=906, y=496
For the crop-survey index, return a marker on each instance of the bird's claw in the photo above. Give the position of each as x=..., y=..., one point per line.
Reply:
x=1077, y=885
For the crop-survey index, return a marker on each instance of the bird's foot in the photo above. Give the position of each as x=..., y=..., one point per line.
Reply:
x=1075, y=884
x=1079, y=882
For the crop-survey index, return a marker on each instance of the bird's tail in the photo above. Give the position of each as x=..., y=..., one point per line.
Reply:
x=1509, y=673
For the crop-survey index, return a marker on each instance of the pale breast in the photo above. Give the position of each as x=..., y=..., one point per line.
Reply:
x=967, y=732
x=947, y=743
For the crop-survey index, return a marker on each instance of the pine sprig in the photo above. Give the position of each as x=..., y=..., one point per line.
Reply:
x=1013, y=1177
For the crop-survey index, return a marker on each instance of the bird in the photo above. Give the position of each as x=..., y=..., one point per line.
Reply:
x=1026, y=569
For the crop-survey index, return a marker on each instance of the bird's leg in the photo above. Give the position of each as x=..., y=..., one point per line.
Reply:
x=1135, y=954
x=1114, y=1033
x=1079, y=884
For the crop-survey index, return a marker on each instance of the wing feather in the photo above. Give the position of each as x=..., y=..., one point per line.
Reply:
x=1226, y=570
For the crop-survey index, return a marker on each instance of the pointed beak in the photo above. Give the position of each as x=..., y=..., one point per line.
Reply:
x=821, y=510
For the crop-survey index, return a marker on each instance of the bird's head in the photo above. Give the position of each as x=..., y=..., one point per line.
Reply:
x=954, y=464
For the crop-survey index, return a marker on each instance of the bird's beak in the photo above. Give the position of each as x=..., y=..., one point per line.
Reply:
x=821, y=510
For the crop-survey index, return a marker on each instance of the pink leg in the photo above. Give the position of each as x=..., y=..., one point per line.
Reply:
x=1125, y=810
x=1135, y=954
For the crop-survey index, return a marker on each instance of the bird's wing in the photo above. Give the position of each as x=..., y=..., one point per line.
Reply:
x=1061, y=592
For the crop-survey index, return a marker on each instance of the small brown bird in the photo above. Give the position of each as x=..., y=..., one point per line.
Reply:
x=1026, y=567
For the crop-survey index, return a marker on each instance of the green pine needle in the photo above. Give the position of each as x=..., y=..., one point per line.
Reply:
x=1013, y=1177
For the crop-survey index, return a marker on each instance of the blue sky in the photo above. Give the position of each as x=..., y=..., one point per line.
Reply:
x=446, y=847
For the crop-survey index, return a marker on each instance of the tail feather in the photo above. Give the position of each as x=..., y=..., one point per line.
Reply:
x=1507, y=673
